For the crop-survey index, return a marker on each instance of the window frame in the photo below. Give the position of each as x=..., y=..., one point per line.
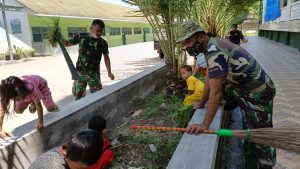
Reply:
x=127, y=30
x=137, y=31
x=72, y=31
x=15, y=25
x=113, y=32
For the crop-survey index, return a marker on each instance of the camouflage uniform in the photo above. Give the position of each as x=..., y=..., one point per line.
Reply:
x=88, y=63
x=249, y=86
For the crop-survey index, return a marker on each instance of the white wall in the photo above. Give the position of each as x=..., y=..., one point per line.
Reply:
x=25, y=35
x=289, y=20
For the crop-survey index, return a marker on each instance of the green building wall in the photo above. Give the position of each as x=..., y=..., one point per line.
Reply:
x=113, y=40
x=286, y=38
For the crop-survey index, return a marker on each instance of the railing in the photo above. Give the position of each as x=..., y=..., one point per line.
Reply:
x=295, y=10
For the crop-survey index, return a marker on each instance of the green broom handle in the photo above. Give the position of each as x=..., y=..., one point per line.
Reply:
x=70, y=64
x=224, y=133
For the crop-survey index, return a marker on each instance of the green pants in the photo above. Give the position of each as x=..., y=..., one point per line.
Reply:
x=86, y=78
x=257, y=109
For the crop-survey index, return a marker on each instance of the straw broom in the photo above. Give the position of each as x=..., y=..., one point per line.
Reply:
x=56, y=38
x=283, y=138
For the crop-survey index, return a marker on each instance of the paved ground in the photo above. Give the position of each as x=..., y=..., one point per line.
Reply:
x=126, y=61
x=282, y=64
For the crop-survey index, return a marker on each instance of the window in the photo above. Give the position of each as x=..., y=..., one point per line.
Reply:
x=1, y=25
x=146, y=30
x=76, y=30
x=40, y=33
x=283, y=3
x=15, y=26
x=137, y=30
x=127, y=31
x=115, y=31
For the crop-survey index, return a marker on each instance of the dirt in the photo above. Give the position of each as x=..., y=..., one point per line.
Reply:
x=133, y=150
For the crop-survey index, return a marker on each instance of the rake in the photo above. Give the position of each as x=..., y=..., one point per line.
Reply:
x=283, y=138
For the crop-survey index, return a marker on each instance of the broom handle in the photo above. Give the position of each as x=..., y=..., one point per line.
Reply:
x=156, y=128
x=70, y=64
x=220, y=132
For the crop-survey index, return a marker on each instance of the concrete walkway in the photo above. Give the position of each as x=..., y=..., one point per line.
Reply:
x=126, y=61
x=282, y=64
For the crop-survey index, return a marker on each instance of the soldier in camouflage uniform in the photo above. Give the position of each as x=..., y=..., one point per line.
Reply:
x=234, y=73
x=91, y=48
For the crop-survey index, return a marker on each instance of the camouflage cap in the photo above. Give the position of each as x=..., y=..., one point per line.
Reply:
x=187, y=29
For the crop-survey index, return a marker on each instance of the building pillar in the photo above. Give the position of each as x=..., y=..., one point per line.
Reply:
x=288, y=10
x=264, y=11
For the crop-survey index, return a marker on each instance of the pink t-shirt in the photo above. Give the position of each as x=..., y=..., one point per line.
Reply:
x=34, y=84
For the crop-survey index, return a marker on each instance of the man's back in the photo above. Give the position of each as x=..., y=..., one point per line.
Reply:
x=52, y=159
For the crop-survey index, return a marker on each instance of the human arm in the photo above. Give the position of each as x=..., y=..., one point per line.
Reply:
x=243, y=38
x=217, y=71
x=108, y=66
x=205, y=94
x=215, y=96
x=73, y=41
x=40, y=113
x=3, y=134
x=190, y=92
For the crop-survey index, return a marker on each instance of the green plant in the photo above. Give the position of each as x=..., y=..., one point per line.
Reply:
x=164, y=17
x=172, y=107
x=54, y=31
x=24, y=53
x=153, y=103
x=217, y=16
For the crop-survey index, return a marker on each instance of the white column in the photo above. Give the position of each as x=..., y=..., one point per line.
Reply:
x=264, y=11
x=288, y=10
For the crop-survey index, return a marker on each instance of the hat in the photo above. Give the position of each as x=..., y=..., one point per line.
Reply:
x=187, y=29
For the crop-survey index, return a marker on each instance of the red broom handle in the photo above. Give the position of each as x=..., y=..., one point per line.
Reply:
x=158, y=128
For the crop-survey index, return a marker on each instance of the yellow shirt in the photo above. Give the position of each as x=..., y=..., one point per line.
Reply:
x=195, y=85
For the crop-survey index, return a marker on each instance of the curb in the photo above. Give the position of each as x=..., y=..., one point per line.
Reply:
x=9, y=62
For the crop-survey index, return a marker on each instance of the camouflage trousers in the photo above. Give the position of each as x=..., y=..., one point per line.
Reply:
x=86, y=78
x=257, y=110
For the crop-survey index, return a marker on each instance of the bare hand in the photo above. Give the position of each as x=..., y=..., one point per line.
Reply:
x=112, y=76
x=4, y=134
x=198, y=105
x=196, y=128
x=39, y=126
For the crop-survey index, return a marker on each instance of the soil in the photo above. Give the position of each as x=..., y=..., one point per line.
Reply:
x=133, y=150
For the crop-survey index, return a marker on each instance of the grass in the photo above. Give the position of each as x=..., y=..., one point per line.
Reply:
x=135, y=152
x=173, y=108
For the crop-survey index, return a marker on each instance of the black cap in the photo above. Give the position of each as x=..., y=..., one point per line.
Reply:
x=98, y=22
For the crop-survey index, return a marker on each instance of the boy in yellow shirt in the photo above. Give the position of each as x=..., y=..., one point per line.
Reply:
x=195, y=86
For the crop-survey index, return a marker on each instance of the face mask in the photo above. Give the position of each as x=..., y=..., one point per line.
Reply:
x=201, y=60
x=195, y=49
x=94, y=35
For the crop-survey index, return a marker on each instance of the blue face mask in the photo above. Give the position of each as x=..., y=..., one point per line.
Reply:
x=201, y=60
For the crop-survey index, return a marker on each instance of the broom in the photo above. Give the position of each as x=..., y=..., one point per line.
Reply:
x=54, y=39
x=283, y=138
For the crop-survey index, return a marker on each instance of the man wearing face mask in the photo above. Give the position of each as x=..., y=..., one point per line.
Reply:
x=91, y=48
x=234, y=73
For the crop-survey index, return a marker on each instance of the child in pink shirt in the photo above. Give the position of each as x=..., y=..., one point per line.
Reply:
x=25, y=91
